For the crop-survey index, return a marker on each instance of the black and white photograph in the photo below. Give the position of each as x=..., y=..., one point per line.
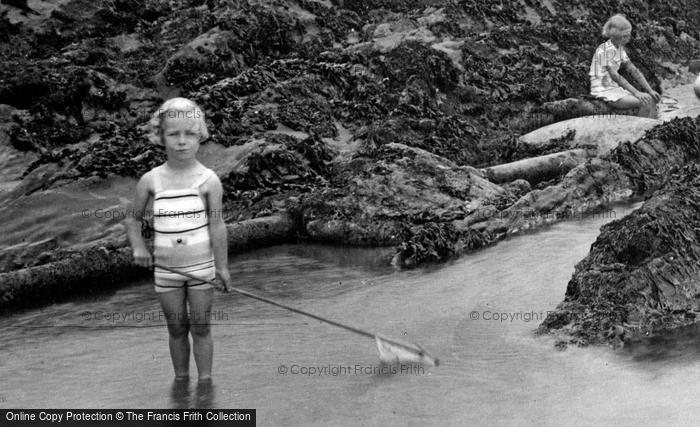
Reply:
x=349, y=212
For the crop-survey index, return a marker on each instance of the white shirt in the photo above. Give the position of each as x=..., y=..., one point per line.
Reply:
x=613, y=57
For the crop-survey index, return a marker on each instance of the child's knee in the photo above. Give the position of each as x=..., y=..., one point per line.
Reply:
x=178, y=331
x=200, y=330
x=626, y=103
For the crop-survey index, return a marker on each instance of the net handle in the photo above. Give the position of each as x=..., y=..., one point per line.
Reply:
x=408, y=347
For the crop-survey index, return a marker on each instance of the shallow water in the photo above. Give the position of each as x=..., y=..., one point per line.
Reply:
x=492, y=371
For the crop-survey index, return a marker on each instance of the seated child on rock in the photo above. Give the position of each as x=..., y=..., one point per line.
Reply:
x=608, y=84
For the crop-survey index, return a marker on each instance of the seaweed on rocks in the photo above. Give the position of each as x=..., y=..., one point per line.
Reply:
x=283, y=162
x=58, y=90
x=63, y=107
x=427, y=243
x=300, y=94
x=42, y=130
x=206, y=59
x=413, y=60
x=506, y=56
x=264, y=30
x=119, y=151
x=663, y=149
x=449, y=136
x=339, y=21
x=640, y=276
x=435, y=242
x=185, y=71
x=308, y=116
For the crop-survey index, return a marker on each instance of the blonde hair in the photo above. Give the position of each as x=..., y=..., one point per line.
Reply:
x=615, y=25
x=175, y=107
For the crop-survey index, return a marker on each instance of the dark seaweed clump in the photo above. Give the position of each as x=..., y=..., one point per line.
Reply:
x=255, y=65
x=436, y=242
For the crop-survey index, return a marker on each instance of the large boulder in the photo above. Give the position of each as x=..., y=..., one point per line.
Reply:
x=61, y=217
x=601, y=132
x=373, y=202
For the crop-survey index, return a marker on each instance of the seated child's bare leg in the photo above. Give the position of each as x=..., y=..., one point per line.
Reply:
x=626, y=103
x=201, y=301
x=649, y=110
x=174, y=304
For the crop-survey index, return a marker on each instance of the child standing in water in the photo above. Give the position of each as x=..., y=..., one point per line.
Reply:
x=607, y=84
x=190, y=234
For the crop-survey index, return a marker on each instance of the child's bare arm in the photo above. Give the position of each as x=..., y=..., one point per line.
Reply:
x=217, y=230
x=617, y=78
x=639, y=77
x=133, y=222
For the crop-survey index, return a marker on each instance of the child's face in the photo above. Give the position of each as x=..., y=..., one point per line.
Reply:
x=181, y=137
x=622, y=37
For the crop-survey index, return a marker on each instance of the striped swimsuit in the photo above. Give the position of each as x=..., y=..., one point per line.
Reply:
x=182, y=240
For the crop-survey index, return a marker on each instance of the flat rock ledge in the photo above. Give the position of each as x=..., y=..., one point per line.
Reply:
x=101, y=266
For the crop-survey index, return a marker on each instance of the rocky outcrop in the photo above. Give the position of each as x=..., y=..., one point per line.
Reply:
x=263, y=231
x=641, y=275
x=393, y=194
x=632, y=169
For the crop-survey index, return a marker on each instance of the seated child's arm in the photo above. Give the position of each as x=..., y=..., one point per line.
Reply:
x=217, y=229
x=133, y=222
x=617, y=78
x=639, y=77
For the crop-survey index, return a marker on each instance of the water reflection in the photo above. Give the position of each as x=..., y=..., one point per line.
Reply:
x=184, y=395
x=180, y=394
x=204, y=395
x=680, y=345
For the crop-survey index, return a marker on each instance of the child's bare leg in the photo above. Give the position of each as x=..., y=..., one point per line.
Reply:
x=650, y=110
x=626, y=103
x=200, y=327
x=174, y=305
